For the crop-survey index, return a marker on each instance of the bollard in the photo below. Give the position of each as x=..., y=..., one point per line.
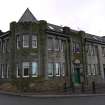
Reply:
x=65, y=88
x=93, y=87
x=73, y=88
x=82, y=87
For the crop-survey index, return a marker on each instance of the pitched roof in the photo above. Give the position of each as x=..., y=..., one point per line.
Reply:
x=27, y=17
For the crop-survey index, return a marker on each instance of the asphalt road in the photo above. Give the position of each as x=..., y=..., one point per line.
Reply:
x=17, y=100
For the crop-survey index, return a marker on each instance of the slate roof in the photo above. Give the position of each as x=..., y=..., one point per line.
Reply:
x=4, y=34
x=91, y=37
x=27, y=17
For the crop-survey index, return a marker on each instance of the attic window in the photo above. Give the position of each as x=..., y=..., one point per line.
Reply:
x=61, y=29
x=95, y=37
x=51, y=27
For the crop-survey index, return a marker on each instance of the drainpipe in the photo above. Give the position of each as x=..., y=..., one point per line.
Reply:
x=83, y=42
x=66, y=30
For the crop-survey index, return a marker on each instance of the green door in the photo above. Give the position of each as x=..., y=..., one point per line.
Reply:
x=77, y=75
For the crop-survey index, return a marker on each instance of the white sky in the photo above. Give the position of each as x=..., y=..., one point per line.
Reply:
x=87, y=15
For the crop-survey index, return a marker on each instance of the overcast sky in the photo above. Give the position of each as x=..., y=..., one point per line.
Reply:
x=87, y=15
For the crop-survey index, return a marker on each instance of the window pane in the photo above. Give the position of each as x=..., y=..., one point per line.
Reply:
x=3, y=46
x=50, y=69
x=18, y=70
x=103, y=51
x=25, y=69
x=93, y=69
x=50, y=43
x=25, y=41
x=34, y=41
x=57, y=45
x=34, y=69
x=17, y=41
x=63, y=69
x=57, y=66
x=89, y=69
x=62, y=46
x=76, y=47
x=2, y=70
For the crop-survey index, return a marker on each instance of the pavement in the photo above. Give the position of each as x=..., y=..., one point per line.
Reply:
x=49, y=95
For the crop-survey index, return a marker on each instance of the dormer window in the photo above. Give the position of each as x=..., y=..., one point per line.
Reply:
x=50, y=27
x=25, y=41
x=34, y=41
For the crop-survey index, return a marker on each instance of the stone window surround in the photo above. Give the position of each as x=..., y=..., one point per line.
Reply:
x=92, y=69
x=30, y=39
x=60, y=69
x=60, y=42
x=4, y=45
x=4, y=69
x=76, y=46
x=91, y=49
x=18, y=67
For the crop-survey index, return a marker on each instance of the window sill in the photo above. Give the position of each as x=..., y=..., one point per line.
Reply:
x=34, y=47
x=25, y=76
x=50, y=75
x=57, y=75
x=34, y=76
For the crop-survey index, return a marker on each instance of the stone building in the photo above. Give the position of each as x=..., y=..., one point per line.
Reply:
x=33, y=48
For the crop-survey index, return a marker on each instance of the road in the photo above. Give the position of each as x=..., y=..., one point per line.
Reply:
x=17, y=100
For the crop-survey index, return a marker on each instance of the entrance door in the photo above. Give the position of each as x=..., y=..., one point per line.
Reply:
x=77, y=75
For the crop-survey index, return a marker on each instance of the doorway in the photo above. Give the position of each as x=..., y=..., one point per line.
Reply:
x=77, y=75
